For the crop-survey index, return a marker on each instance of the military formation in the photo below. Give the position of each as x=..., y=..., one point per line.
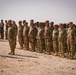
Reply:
x=42, y=37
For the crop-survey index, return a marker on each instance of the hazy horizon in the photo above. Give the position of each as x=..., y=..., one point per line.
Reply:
x=59, y=11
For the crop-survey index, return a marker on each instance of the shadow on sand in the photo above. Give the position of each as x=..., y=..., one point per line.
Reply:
x=17, y=56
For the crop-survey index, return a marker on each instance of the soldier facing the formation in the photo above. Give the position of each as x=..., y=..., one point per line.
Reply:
x=11, y=37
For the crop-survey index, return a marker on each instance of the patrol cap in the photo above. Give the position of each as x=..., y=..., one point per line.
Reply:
x=70, y=22
x=24, y=21
x=60, y=24
x=5, y=20
x=9, y=20
x=31, y=21
x=1, y=20
x=47, y=21
x=52, y=23
x=20, y=21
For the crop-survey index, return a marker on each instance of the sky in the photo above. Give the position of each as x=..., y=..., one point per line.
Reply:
x=58, y=11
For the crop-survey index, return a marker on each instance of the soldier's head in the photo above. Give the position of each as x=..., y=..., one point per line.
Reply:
x=10, y=22
x=70, y=24
x=37, y=24
x=52, y=24
x=13, y=22
x=32, y=23
x=47, y=23
x=40, y=24
x=24, y=21
x=1, y=20
x=26, y=24
x=61, y=26
x=5, y=21
x=20, y=22
x=55, y=26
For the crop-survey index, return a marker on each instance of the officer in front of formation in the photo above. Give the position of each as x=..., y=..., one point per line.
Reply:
x=11, y=37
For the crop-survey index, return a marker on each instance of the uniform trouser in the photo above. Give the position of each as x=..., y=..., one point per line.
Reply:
x=6, y=34
x=20, y=41
x=26, y=43
x=71, y=49
x=61, y=48
x=40, y=45
x=48, y=46
x=2, y=34
x=32, y=44
x=55, y=47
x=12, y=45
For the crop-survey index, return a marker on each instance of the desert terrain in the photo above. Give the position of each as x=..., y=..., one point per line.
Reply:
x=33, y=63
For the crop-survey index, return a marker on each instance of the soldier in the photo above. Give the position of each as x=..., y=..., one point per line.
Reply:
x=2, y=29
x=25, y=36
x=55, y=40
x=6, y=32
x=24, y=21
x=16, y=30
x=62, y=40
x=48, y=38
x=20, y=34
x=40, y=37
x=11, y=37
x=32, y=35
x=71, y=40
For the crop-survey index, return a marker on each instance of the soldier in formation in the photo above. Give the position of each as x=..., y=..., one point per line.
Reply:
x=41, y=37
x=20, y=34
x=2, y=29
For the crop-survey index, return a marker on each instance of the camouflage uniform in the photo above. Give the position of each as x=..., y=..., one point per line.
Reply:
x=40, y=38
x=61, y=41
x=55, y=41
x=2, y=30
x=48, y=39
x=26, y=38
x=32, y=37
x=20, y=36
x=16, y=29
x=11, y=38
x=70, y=42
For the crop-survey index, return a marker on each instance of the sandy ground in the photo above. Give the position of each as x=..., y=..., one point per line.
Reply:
x=32, y=63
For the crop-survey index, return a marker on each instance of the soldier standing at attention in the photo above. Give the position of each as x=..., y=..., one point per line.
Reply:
x=2, y=29
x=55, y=40
x=11, y=37
x=71, y=40
x=6, y=32
x=32, y=35
x=40, y=38
x=25, y=36
x=48, y=37
x=20, y=34
x=16, y=30
x=61, y=40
